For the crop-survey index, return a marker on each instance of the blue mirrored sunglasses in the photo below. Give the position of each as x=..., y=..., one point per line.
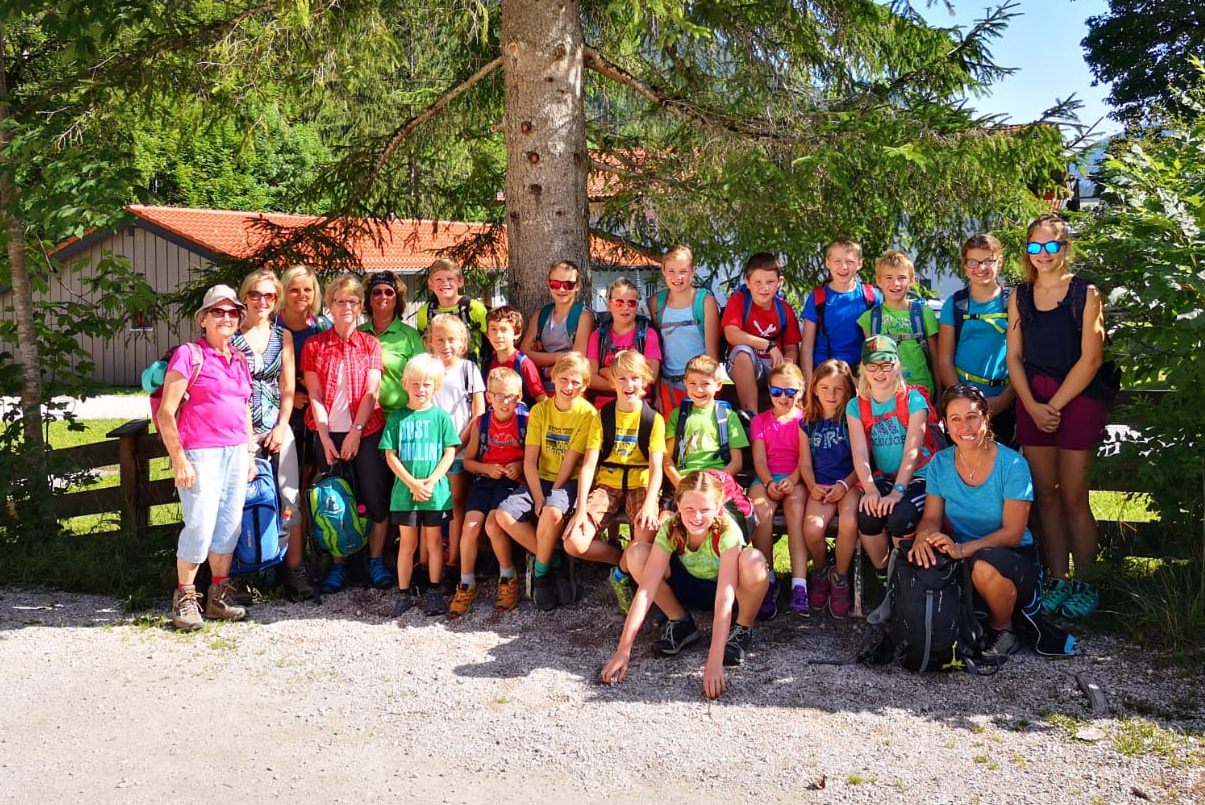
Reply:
x=776, y=391
x=1051, y=247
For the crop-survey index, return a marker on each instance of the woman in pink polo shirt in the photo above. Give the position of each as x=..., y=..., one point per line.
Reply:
x=205, y=424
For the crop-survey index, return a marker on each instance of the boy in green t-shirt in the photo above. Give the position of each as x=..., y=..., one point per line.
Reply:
x=696, y=444
x=445, y=281
x=910, y=323
x=420, y=444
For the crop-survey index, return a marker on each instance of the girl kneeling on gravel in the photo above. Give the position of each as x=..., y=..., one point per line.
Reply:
x=701, y=555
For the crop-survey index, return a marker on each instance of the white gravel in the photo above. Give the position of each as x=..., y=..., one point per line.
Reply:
x=336, y=703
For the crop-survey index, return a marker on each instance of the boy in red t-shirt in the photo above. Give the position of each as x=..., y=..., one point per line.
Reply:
x=760, y=327
x=494, y=453
x=503, y=329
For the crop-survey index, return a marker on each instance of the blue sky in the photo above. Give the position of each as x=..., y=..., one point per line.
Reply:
x=1043, y=43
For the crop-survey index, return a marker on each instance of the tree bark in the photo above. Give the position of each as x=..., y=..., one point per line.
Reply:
x=547, y=218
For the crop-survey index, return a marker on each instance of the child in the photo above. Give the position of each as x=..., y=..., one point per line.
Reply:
x=894, y=492
x=629, y=475
x=910, y=322
x=559, y=432
x=619, y=329
x=971, y=345
x=504, y=327
x=445, y=281
x=702, y=433
x=563, y=325
x=688, y=320
x=830, y=315
x=462, y=395
x=495, y=455
x=420, y=444
x=760, y=327
x=775, y=435
x=701, y=556
x=826, y=467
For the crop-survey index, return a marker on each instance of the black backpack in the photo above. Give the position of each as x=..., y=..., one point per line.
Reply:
x=643, y=436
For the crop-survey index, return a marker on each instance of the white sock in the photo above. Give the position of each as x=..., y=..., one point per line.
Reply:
x=798, y=582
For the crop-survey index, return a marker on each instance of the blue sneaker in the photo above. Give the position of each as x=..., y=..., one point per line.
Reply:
x=336, y=579
x=1082, y=602
x=382, y=579
x=1055, y=595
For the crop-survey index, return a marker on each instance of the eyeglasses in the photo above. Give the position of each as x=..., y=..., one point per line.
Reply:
x=346, y=303
x=387, y=292
x=628, y=303
x=1050, y=247
x=224, y=312
x=988, y=263
x=562, y=285
x=778, y=391
x=504, y=399
x=256, y=296
x=878, y=368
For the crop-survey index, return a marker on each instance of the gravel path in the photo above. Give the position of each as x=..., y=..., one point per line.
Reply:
x=336, y=703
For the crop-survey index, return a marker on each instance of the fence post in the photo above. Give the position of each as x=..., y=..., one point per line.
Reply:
x=135, y=476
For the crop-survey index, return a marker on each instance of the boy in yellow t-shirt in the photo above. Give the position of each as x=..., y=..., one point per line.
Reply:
x=629, y=474
x=559, y=432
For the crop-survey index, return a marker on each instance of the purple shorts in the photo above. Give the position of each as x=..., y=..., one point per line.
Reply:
x=1082, y=425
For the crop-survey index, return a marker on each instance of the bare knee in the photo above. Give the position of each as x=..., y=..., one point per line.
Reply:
x=751, y=566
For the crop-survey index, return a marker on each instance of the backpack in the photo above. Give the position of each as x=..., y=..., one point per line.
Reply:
x=722, y=409
x=820, y=301
x=262, y=541
x=934, y=439
x=606, y=350
x=916, y=314
x=698, y=312
x=1108, y=376
x=644, y=434
x=464, y=312
x=575, y=315
x=483, y=428
x=962, y=312
x=337, y=526
x=780, y=308
x=154, y=375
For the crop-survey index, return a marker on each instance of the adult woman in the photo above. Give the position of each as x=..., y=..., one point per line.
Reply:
x=208, y=436
x=983, y=490
x=268, y=348
x=301, y=316
x=1056, y=335
x=342, y=370
x=386, y=302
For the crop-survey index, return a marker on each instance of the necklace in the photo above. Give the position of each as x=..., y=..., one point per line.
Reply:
x=971, y=471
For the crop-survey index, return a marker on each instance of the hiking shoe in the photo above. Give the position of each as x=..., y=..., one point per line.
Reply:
x=450, y=580
x=186, y=610
x=1082, y=602
x=543, y=592
x=676, y=636
x=623, y=589
x=768, y=610
x=740, y=639
x=818, y=589
x=434, y=602
x=406, y=600
x=1055, y=595
x=335, y=580
x=220, y=603
x=382, y=579
x=508, y=594
x=299, y=583
x=462, y=601
x=799, y=600
x=563, y=578
x=1001, y=644
x=838, y=599
x=242, y=591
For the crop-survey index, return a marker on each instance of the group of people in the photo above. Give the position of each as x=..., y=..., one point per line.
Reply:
x=542, y=431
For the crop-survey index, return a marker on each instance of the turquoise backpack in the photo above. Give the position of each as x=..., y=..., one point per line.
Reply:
x=337, y=526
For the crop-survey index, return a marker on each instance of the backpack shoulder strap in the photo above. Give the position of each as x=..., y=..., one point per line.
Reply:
x=916, y=312
x=746, y=302
x=542, y=318
x=700, y=309
x=197, y=360
x=642, y=333
x=866, y=415
x=962, y=309
x=721, y=422
x=876, y=320
x=606, y=416
x=483, y=432
x=868, y=295
x=657, y=308
x=464, y=309
x=901, y=408
x=1077, y=297
x=680, y=431
x=780, y=308
x=645, y=432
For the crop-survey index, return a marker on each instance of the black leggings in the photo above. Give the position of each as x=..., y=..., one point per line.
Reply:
x=903, y=519
x=370, y=475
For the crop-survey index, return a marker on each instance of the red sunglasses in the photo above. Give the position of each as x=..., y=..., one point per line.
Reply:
x=562, y=285
x=631, y=303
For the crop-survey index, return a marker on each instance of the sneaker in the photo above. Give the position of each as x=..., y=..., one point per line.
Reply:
x=1001, y=644
x=1055, y=595
x=299, y=584
x=543, y=592
x=462, y=601
x=508, y=594
x=335, y=580
x=186, y=610
x=1082, y=602
x=406, y=600
x=382, y=579
x=838, y=599
x=220, y=604
x=799, y=600
x=740, y=639
x=434, y=602
x=768, y=610
x=563, y=578
x=676, y=636
x=818, y=589
x=242, y=591
x=623, y=589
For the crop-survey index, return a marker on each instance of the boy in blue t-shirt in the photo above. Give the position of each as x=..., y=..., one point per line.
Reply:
x=830, y=314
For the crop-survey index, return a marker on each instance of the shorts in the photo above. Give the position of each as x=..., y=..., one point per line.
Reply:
x=604, y=503
x=213, y=506
x=775, y=477
x=691, y=592
x=761, y=364
x=1020, y=566
x=520, y=506
x=457, y=467
x=903, y=519
x=1082, y=425
x=487, y=494
x=414, y=519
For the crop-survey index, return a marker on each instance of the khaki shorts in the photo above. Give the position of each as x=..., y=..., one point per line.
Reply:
x=603, y=505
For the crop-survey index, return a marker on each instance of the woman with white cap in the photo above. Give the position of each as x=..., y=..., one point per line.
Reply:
x=205, y=423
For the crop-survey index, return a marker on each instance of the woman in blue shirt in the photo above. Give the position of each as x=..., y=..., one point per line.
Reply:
x=983, y=491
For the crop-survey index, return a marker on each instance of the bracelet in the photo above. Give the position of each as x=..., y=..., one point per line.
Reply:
x=842, y=482
x=899, y=488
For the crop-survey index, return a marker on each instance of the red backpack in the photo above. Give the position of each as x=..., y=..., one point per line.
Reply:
x=934, y=440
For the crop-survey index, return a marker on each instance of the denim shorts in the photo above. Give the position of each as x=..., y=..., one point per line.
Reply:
x=761, y=364
x=520, y=506
x=213, y=506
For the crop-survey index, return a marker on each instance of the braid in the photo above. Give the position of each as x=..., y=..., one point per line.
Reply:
x=677, y=533
x=718, y=526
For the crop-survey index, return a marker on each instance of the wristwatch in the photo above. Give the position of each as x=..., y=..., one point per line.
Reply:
x=899, y=488
x=358, y=427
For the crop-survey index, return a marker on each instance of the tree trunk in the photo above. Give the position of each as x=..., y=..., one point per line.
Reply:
x=546, y=157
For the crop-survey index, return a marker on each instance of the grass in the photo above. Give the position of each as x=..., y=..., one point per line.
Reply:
x=1159, y=602
x=1134, y=737
x=1122, y=507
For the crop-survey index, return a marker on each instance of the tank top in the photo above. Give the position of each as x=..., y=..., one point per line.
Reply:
x=680, y=341
x=314, y=325
x=1052, y=338
x=265, y=378
x=555, y=337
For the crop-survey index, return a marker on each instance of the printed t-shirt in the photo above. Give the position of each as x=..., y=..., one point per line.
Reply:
x=981, y=349
x=700, y=448
x=781, y=439
x=912, y=355
x=703, y=563
x=215, y=414
x=627, y=450
x=399, y=343
x=419, y=439
x=505, y=442
x=532, y=384
x=840, y=337
x=652, y=352
x=556, y=432
x=832, y=457
x=887, y=436
x=976, y=511
x=763, y=322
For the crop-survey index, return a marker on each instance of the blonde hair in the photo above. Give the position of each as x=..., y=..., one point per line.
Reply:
x=1062, y=233
x=424, y=366
x=813, y=411
x=449, y=322
x=505, y=377
x=703, y=365
x=564, y=265
x=622, y=284
x=678, y=250
x=790, y=370
x=258, y=276
x=346, y=283
x=445, y=264
x=572, y=362
x=297, y=272
x=844, y=243
x=894, y=259
x=629, y=361
x=708, y=484
x=864, y=380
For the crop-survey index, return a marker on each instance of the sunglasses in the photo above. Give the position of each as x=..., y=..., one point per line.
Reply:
x=778, y=391
x=562, y=285
x=628, y=303
x=224, y=312
x=256, y=296
x=1050, y=247
x=383, y=292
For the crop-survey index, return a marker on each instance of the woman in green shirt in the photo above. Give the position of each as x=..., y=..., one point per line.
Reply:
x=385, y=299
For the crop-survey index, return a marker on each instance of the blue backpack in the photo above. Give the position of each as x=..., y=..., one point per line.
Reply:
x=261, y=542
x=337, y=526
